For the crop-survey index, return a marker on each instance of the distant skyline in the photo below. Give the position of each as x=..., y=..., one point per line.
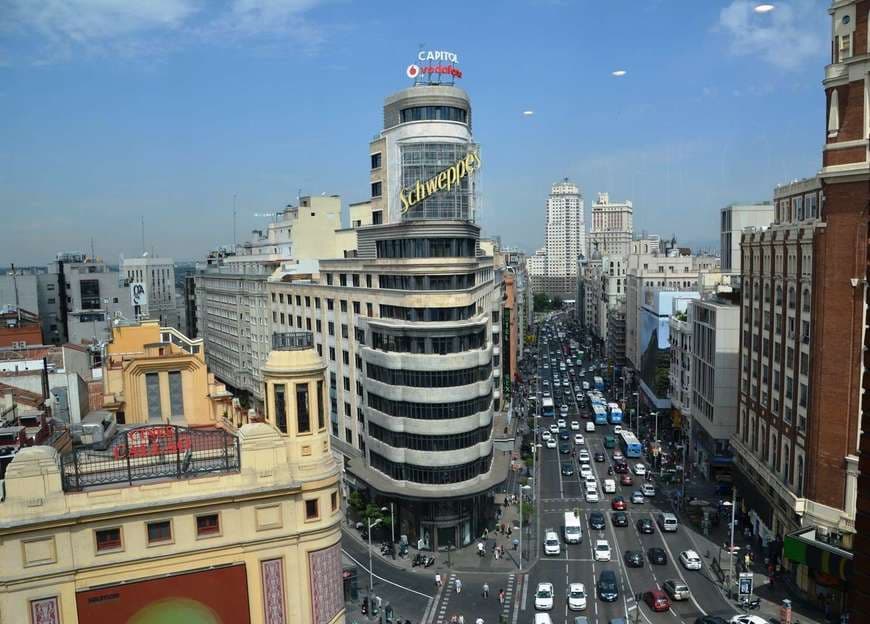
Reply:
x=115, y=110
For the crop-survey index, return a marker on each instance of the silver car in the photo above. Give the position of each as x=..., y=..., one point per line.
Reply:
x=676, y=589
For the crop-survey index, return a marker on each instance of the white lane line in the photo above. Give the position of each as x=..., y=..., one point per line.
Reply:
x=429, y=604
x=525, y=590
x=380, y=578
x=516, y=605
x=677, y=566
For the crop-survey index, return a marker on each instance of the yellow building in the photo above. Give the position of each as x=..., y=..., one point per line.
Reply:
x=154, y=374
x=178, y=524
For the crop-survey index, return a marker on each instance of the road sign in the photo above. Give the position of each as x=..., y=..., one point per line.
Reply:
x=744, y=583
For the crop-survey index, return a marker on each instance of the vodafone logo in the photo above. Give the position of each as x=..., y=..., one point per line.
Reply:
x=413, y=71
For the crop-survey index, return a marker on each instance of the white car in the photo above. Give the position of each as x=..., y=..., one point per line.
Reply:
x=551, y=543
x=575, y=426
x=637, y=498
x=551, y=443
x=690, y=560
x=592, y=496
x=585, y=469
x=576, y=597
x=546, y=394
x=590, y=426
x=544, y=597
x=563, y=410
x=617, y=429
x=747, y=619
x=546, y=435
x=648, y=489
x=560, y=424
x=579, y=440
x=554, y=428
x=602, y=550
x=639, y=470
x=583, y=455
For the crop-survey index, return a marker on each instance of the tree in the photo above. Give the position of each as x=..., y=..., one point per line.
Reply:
x=528, y=510
x=356, y=501
x=541, y=302
x=557, y=303
x=373, y=513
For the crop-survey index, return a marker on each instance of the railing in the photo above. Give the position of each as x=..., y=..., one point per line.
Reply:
x=151, y=452
x=292, y=341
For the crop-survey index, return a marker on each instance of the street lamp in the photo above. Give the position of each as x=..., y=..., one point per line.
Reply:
x=733, y=505
x=523, y=490
x=636, y=411
x=371, y=525
x=392, y=523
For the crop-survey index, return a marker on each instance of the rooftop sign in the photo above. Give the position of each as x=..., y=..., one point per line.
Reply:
x=442, y=181
x=434, y=67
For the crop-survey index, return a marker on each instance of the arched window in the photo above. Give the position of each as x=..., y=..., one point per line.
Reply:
x=786, y=468
x=778, y=300
x=791, y=297
x=800, y=476
x=767, y=293
x=805, y=300
x=834, y=114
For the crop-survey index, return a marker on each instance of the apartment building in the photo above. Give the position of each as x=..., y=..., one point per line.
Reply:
x=153, y=284
x=680, y=372
x=553, y=269
x=612, y=227
x=733, y=219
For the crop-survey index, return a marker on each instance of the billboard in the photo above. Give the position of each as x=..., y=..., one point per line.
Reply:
x=655, y=336
x=193, y=598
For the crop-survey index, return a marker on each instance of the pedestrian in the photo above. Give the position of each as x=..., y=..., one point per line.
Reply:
x=437, y=579
x=481, y=549
x=485, y=591
x=478, y=620
x=458, y=585
x=516, y=543
x=501, y=597
x=461, y=619
x=509, y=530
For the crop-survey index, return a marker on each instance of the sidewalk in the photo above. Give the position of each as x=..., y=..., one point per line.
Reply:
x=710, y=547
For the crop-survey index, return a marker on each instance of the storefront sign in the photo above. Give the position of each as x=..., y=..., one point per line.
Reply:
x=442, y=181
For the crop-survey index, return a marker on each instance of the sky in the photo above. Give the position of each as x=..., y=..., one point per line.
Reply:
x=111, y=111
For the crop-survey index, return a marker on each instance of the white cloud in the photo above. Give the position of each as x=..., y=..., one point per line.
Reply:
x=786, y=37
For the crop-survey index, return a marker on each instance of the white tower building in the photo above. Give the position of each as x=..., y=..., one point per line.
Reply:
x=612, y=227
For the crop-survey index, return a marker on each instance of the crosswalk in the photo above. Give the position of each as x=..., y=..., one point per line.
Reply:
x=464, y=600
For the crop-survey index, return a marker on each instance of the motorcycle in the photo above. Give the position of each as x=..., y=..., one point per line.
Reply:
x=403, y=550
x=429, y=562
x=750, y=604
x=610, y=470
x=418, y=560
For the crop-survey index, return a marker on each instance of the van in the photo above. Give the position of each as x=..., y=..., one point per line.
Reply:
x=609, y=441
x=668, y=522
x=609, y=486
x=573, y=530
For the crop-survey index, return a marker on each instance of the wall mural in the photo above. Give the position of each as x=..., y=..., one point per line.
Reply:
x=324, y=575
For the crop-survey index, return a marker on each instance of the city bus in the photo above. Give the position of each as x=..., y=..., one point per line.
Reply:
x=599, y=383
x=629, y=444
x=615, y=414
x=548, y=409
x=599, y=413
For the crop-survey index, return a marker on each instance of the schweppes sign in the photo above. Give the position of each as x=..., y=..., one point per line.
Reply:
x=443, y=181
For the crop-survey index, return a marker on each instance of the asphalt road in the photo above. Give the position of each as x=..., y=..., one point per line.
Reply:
x=575, y=564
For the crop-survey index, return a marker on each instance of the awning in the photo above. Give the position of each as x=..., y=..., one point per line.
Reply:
x=804, y=547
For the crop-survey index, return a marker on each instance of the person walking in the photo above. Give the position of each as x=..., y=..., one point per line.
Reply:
x=457, y=584
x=485, y=591
x=437, y=580
x=501, y=597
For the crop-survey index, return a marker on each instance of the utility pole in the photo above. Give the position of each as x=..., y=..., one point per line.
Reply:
x=15, y=287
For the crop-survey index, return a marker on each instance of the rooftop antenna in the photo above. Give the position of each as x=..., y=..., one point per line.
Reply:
x=234, y=221
x=15, y=286
x=93, y=257
x=142, y=221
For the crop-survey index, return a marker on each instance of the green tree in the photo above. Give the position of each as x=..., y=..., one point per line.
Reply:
x=541, y=302
x=373, y=513
x=528, y=510
x=356, y=501
x=557, y=303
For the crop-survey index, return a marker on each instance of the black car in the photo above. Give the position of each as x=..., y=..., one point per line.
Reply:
x=567, y=469
x=607, y=588
x=596, y=520
x=564, y=435
x=564, y=448
x=657, y=556
x=634, y=558
x=710, y=619
x=645, y=525
x=620, y=519
x=599, y=456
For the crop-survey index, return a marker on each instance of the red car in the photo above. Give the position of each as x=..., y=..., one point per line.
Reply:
x=626, y=479
x=618, y=504
x=657, y=600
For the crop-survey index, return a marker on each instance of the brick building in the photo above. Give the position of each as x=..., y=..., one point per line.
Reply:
x=19, y=328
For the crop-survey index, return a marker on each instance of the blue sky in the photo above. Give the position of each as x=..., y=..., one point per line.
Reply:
x=110, y=110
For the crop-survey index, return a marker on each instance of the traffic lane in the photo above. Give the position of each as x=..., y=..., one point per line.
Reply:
x=422, y=582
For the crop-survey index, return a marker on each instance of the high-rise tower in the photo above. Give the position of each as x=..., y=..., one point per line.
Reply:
x=565, y=243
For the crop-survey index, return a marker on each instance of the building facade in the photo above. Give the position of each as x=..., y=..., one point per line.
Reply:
x=173, y=523
x=733, y=219
x=153, y=282
x=565, y=243
x=612, y=227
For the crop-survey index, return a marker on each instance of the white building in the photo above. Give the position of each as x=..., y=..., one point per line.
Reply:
x=733, y=220
x=157, y=279
x=565, y=242
x=612, y=227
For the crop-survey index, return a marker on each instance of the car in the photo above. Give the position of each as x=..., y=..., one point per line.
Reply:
x=633, y=558
x=626, y=479
x=546, y=394
x=551, y=543
x=617, y=429
x=563, y=409
x=617, y=455
x=648, y=489
x=579, y=440
x=596, y=520
x=576, y=596
x=591, y=481
x=657, y=556
x=554, y=429
x=639, y=470
x=583, y=455
x=609, y=486
x=602, y=550
x=637, y=498
x=657, y=600
x=599, y=457
x=690, y=560
x=567, y=469
x=560, y=424
x=546, y=435
x=543, y=618
x=747, y=619
x=551, y=442
x=677, y=590
x=575, y=425
x=710, y=619
x=590, y=426
x=544, y=597
x=585, y=469
x=618, y=503
x=592, y=496
x=607, y=587
x=619, y=518
x=645, y=526
x=564, y=435
x=564, y=448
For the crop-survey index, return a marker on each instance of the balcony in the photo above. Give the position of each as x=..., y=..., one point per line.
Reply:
x=836, y=70
x=292, y=341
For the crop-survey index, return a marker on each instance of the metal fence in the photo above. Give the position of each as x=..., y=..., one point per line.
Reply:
x=151, y=452
x=292, y=341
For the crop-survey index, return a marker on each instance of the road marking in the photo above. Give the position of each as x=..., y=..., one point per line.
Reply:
x=525, y=591
x=677, y=565
x=524, y=582
x=381, y=578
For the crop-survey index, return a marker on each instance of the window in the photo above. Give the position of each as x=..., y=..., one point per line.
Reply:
x=331, y=327
x=52, y=300
x=845, y=47
x=330, y=304
x=303, y=417
x=329, y=280
x=321, y=422
x=356, y=307
x=376, y=189
x=208, y=524
x=345, y=357
x=343, y=305
x=317, y=302
x=355, y=279
x=333, y=501
x=160, y=531
x=344, y=332
x=280, y=409
x=176, y=394
x=108, y=539
x=368, y=280
x=89, y=291
x=376, y=160
x=332, y=353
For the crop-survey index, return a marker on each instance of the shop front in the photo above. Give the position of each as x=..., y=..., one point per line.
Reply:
x=821, y=569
